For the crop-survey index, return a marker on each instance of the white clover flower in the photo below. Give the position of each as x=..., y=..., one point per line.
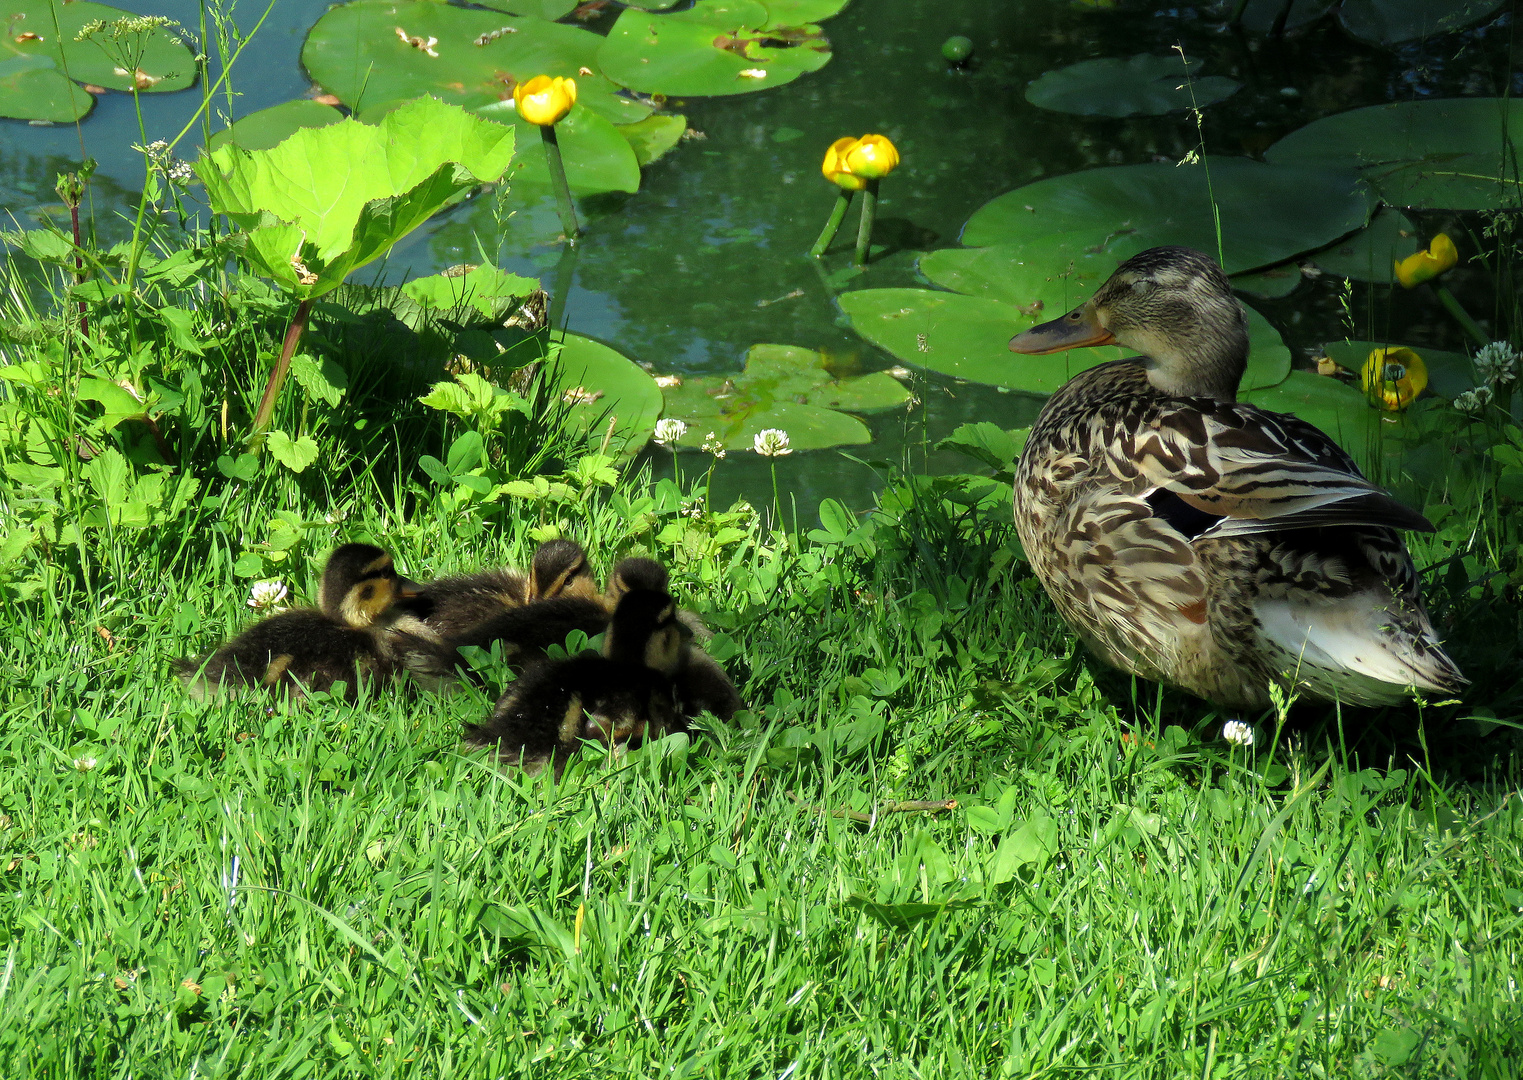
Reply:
x=1238, y=733
x=86, y=764
x=713, y=444
x=1496, y=364
x=1473, y=402
x=771, y=442
x=266, y=594
x=669, y=430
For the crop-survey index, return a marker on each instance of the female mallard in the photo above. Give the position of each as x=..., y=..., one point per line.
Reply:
x=1204, y=543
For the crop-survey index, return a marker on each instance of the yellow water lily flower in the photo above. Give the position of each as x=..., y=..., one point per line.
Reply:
x=1422, y=266
x=543, y=100
x=1393, y=377
x=834, y=166
x=871, y=157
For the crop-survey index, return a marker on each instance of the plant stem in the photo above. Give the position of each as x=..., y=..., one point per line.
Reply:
x=1461, y=316
x=837, y=212
x=563, y=201
x=777, y=503
x=282, y=366
x=869, y=214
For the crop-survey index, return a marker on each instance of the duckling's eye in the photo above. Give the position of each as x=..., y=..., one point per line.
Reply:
x=367, y=593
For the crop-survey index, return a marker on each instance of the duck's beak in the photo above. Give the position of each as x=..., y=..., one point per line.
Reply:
x=1080, y=327
x=407, y=588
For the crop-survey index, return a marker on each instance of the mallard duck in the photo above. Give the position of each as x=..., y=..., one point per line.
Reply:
x=702, y=685
x=343, y=639
x=619, y=697
x=1208, y=544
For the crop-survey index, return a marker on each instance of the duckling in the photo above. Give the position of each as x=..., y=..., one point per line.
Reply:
x=619, y=697
x=702, y=685
x=1197, y=541
x=343, y=639
x=450, y=607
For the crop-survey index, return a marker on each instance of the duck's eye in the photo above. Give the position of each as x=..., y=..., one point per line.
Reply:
x=1076, y=315
x=367, y=593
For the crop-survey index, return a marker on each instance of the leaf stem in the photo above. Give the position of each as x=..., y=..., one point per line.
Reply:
x=837, y=213
x=563, y=201
x=869, y=214
x=1461, y=316
x=282, y=366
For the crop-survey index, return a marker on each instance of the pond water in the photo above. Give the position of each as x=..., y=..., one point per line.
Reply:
x=709, y=257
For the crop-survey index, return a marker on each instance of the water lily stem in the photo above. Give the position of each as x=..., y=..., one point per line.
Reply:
x=266, y=409
x=1461, y=316
x=869, y=213
x=563, y=201
x=837, y=213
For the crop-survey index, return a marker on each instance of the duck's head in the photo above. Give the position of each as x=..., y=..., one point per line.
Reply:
x=646, y=632
x=636, y=573
x=1175, y=308
x=360, y=583
x=560, y=568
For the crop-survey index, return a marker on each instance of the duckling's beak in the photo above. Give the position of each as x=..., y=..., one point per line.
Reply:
x=407, y=589
x=1080, y=327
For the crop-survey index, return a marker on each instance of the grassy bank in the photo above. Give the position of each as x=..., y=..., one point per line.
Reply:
x=194, y=890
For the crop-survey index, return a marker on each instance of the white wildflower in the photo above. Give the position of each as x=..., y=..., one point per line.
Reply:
x=1497, y=364
x=669, y=430
x=771, y=442
x=1473, y=402
x=86, y=764
x=265, y=595
x=1238, y=733
x=713, y=444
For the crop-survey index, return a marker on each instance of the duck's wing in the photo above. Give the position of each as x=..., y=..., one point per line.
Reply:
x=1229, y=469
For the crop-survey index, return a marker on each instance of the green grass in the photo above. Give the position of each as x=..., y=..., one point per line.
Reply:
x=339, y=891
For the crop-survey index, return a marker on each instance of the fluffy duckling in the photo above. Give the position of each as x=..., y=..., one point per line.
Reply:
x=451, y=607
x=620, y=697
x=343, y=639
x=702, y=685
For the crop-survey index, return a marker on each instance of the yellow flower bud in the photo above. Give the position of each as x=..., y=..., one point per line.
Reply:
x=871, y=157
x=1424, y=265
x=834, y=166
x=1393, y=377
x=543, y=100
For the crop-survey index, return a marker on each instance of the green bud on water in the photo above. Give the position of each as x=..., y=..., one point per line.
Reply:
x=957, y=49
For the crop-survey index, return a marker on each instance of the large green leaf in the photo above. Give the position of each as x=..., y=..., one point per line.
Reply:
x=356, y=53
x=126, y=54
x=715, y=47
x=1452, y=154
x=1269, y=213
x=605, y=385
x=1141, y=85
x=483, y=291
x=1389, y=22
x=32, y=88
x=1371, y=253
x=328, y=200
x=263, y=129
x=787, y=387
x=652, y=137
x=596, y=156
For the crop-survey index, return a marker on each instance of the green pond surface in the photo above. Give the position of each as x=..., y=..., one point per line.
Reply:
x=708, y=258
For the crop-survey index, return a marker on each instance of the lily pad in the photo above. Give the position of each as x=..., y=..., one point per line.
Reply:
x=1269, y=213
x=602, y=384
x=1371, y=253
x=162, y=64
x=787, y=387
x=372, y=52
x=32, y=88
x=263, y=129
x=1261, y=16
x=1390, y=22
x=1451, y=154
x=652, y=137
x=543, y=9
x=1449, y=373
x=716, y=47
x=1270, y=283
x=1141, y=85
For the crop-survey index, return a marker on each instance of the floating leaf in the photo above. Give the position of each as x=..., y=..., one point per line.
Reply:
x=1371, y=253
x=328, y=200
x=162, y=64
x=1452, y=154
x=1270, y=283
x=716, y=47
x=787, y=387
x=652, y=137
x=1269, y=213
x=1390, y=22
x=32, y=88
x=602, y=384
x=1141, y=85
x=263, y=129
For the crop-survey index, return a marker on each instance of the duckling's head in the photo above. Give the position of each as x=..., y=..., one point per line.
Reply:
x=560, y=569
x=359, y=584
x=1174, y=307
x=636, y=573
x=646, y=632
